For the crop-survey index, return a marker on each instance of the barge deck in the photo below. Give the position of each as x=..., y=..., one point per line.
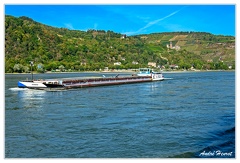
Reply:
x=104, y=81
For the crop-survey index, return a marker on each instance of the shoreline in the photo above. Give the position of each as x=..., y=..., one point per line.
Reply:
x=122, y=71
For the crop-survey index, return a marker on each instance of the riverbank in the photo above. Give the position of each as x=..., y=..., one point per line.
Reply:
x=129, y=71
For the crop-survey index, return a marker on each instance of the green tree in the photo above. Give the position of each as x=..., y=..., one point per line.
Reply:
x=18, y=68
x=61, y=68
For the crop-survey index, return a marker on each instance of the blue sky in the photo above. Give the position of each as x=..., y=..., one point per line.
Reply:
x=133, y=19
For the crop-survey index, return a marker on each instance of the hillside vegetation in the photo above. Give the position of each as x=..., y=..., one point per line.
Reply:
x=74, y=50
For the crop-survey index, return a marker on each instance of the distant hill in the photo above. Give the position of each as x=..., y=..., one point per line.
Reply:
x=74, y=50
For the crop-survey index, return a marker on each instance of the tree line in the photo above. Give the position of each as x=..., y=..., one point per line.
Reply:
x=74, y=50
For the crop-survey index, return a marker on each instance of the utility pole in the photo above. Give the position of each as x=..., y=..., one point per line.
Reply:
x=31, y=64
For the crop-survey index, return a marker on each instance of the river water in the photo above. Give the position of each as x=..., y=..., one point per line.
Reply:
x=191, y=115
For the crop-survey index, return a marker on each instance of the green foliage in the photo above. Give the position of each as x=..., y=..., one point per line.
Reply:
x=20, y=68
x=74, y=50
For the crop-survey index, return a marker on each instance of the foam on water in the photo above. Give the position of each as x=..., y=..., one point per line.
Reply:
x=18, y=89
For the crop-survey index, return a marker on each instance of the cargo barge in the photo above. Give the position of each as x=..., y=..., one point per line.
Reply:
x=144, y=75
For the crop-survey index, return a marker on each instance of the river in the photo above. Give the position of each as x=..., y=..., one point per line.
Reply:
x=191, y=115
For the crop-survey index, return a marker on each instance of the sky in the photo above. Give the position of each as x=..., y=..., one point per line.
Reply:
x=132, y=19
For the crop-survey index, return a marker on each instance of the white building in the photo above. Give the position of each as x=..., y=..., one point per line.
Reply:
x=153, y=64
x=117, y=63
x=134, y=63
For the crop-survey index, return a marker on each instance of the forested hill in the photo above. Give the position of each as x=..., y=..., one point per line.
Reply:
x=73, y=50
